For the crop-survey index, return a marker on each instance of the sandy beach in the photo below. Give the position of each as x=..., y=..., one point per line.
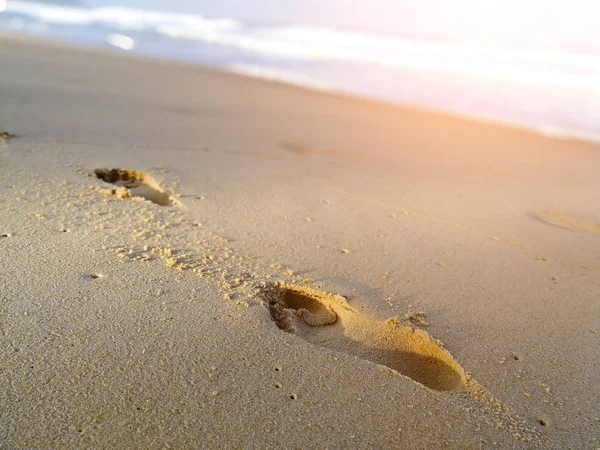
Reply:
x=196, y=259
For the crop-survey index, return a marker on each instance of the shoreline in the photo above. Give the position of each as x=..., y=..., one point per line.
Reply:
x=508, y=125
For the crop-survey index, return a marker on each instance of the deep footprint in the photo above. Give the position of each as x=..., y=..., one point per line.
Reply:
x=136, y=183
x=328, y=321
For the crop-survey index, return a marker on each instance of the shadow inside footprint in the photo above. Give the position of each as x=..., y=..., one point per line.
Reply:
x=327, y=320
x=309, y=309
x=137, y=183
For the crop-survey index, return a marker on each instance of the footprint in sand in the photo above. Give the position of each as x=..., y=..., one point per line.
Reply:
x=568, y=222
x=329, y=321
x=6, y=135
x=133, y=183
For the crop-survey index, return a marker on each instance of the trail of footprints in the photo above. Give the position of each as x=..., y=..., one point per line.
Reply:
x=320, y=318
x=325, y=319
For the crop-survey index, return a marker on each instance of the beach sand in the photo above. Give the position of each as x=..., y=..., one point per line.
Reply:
x=194, y=259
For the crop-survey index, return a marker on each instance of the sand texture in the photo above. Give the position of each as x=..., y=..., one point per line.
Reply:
x=192, y=259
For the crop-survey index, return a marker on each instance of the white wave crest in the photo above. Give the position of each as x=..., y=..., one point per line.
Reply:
x=118, y=17
x=311, y=43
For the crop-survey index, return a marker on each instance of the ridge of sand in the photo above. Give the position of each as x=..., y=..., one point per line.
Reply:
x=397, y=349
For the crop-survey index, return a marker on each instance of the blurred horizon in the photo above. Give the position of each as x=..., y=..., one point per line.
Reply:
x=533, y=65
x=549, y=25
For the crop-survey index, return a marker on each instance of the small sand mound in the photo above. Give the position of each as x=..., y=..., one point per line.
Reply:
x=327, y=320
x=134, y=183
x=568, y=222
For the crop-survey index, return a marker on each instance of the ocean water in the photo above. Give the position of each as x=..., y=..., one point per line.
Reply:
x=554, y=91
